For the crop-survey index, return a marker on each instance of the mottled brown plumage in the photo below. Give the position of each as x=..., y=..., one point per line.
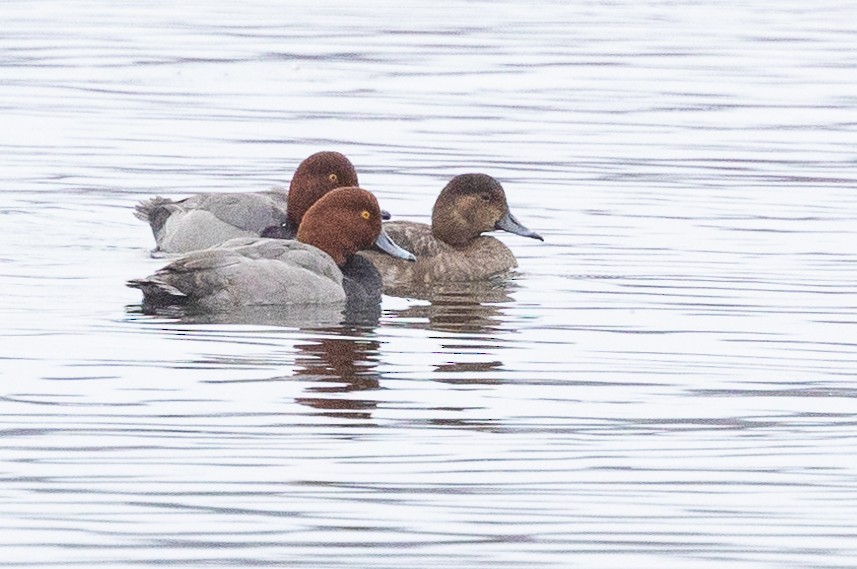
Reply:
x=437, y=261
x=453, y=248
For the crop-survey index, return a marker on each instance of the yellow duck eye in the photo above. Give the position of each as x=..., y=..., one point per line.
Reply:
x=365, y=214
x=333, y=178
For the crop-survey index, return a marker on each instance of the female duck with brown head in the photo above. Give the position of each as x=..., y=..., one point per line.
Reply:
x=204, y=220
x=319, y=268
x=453, y=248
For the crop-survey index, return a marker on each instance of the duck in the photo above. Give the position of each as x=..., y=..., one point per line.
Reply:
x=452, y=248
x=207, y=219
x=319, y=267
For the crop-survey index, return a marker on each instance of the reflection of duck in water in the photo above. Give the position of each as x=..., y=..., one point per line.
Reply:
x=472, y=308
x=341, y=364
x=473, y=314
x=296, y=316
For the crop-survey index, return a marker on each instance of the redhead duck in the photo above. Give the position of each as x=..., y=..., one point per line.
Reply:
x=204, y=220
x=453, y=248
x=319, y=268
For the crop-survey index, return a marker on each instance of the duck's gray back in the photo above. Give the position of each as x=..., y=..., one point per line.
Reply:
x=205, y=220
x=251, y=272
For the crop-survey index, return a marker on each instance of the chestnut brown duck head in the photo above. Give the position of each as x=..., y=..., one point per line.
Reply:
x=470, y=205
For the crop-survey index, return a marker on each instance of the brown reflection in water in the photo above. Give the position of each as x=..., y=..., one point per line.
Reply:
x=472, y=311
x=471, y=308
x=342, y=364
x=465, y=367
x=340, y=357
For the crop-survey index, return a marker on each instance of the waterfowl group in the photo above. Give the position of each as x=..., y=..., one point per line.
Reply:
x=318, y=267
x=301, y=248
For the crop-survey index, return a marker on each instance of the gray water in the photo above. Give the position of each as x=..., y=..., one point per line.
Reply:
x=667, y=381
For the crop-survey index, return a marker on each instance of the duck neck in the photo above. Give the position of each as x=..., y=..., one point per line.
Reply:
x=449, y=225
x=333, y=244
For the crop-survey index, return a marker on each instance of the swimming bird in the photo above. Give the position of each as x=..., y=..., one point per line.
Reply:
x=320, y=267
x=206, y=219
x=453, y=248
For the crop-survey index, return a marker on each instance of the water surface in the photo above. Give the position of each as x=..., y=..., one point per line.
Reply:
x=668, y=380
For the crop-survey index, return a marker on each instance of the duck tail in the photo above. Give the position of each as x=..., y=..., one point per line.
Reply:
x=158, y=293
x=147, y=210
